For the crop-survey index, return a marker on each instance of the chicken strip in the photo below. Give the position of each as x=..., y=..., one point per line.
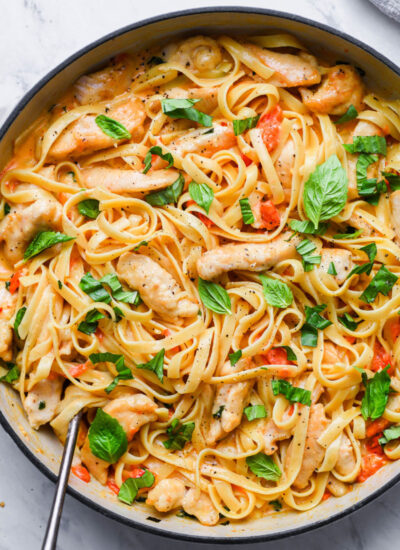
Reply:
x=167, y=494
x=395, y=213
x=157, y=288
x=346, y=461
x=252, y=256
x=271, y=434
x=42, y=400
x=313, y=452
x=203, y=142
x=284, y=166
x=132, y=412
x=7, y=308
x=198, y=54
x=199, y=504
x=84, y=135
x=340, y=88
x=342, y=260
x=127, y=181
x=96, y=466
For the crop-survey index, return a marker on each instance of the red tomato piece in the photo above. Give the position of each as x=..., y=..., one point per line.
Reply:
x=246, y=159
x=371, y=463
x=277, y=356
x=380, y=359
x=270, y=215
x=377, y=426
x=326, y=495
x=81, y=472
x=113, y=486
x=79, y=368
x=270, y=126
x=14, y=281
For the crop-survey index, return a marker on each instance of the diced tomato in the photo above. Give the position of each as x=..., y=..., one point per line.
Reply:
x=395, y=329
x=291, y=410
x=223, y=123
x=52, y=375
x=377, y=426
x=136, y=472
x=270, y=126
x=81, y=472
x=373, y=446
x=14, y=281
x=113, y=486
x=207, y=222
x=380, y=359
x=371, y=463
x=99, y=334
x=79, y=368
x=351, y=339
x=269, y=215
x=246, y=159
x=277, y=356
x=166, y=333
x=326, y=495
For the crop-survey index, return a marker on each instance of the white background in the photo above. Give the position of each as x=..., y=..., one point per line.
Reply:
x=34, y=37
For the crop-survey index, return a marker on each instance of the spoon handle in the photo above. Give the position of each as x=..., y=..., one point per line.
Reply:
x=50, y=538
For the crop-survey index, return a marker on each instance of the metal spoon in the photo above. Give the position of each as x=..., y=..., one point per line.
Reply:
x=50, y=538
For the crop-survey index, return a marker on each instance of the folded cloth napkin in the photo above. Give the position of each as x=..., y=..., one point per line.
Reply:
x=390, y=7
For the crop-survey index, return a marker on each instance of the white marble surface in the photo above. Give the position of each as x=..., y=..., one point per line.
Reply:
x=34, y=37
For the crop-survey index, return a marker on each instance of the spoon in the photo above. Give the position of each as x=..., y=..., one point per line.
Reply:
x=50, y=538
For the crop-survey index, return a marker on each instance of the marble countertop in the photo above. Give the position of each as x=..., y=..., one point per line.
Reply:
x=35, y=36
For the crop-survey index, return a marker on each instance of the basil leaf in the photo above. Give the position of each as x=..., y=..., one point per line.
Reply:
x=118, y=314
x=276, y=293
x=241, y=125
x=263, y=466
x=155, y=60
x=89, y=208
x=393, y=179
x=129, y=489
x=124, y=373
x=376, y=394
x=351, y=235
x=381, y=283
x=117, y=292
x=156, y=150
x=44, y=240
x=168, y=195
x=367, y=144
x=292, y=393
x=247, y=213
x=219, y=412
x=325, y=191
x=348, y=321
x=290, y=354
x=202, y=194
x=107, y=438
x=214, y=297
x=391, y=433
x=179, y=434
x=93, y=288
x=368, y=189
x=313, y=323
x=183, y=108
x=371, y=251
x=142, y=243
x=350, y=114
x=332, y=269
x=11, y=376
x=7, y=208
x=42, y=405
x=18, y=319
x=112, y=128
x=60, y=285
x=90, y=324
x=235, y=356
x=304, y=248
x=276, y=505
x=254, y=412
x=308, y=227
x=156, y=365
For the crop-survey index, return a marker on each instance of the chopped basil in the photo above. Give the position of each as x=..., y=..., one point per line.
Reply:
x=60, y=285
x=95, y=289
x=89, y=208
x=142, y=243
x=276, y=505
x=371, y=251
x=254, y=412
x=325, y=191
x=12, y=374
x=391, y=433
x=367, y=144
x=107, y=438
x=235, y=356
x=369, y=189
x=393, y=179
x=118, y=314
x=219, y=412
x=7, y=285
x=129, y=489
x=124, y=373
x=376, y=394
x=168, y=195
x=214, y=297
x=42, y=405
x=247, y=213
x=18, y=319
x=44, y=240
x=90, y=324
x=290, y=354
x=305, y=226
x=7, y=208
x=155, y=60
x=314, y=322
x=202, y=194
x=304, y=248
x=382, y=283
x=241, y=125
x=263, y=466
x=179, y=434
x=276, y=293
x=350, y=114
x=351, y=234
x=156, y=150
x=156, y=365
x=348, y=321
x=112, y=128
x=292, y=393
x=332, y=269
x=183, y=108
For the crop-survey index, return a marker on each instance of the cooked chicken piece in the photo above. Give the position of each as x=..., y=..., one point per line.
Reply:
x=252, y=256
x=229, y=402
x=333, y=354
x=336, y=487
x=346, y=461
x=208, y=97
x=197, y=503
x=284, y=166
x=340, y=88
x=7, y=307
x=22, y=224
x=366, y=128
x=198, y=54
x=290, y=70
x=313, y=452
x=84, y=135
x=204, y=143
x=127, y=181
x=106, y=83
x=157, y=288
x=395, y=213
x=96, y=466
x=271, y=434
x=340, y=258
x=48, y=392
x=132, y=412
x=167, y=494
x=359, y=222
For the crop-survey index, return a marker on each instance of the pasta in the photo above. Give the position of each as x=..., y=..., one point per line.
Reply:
x=200, y=250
